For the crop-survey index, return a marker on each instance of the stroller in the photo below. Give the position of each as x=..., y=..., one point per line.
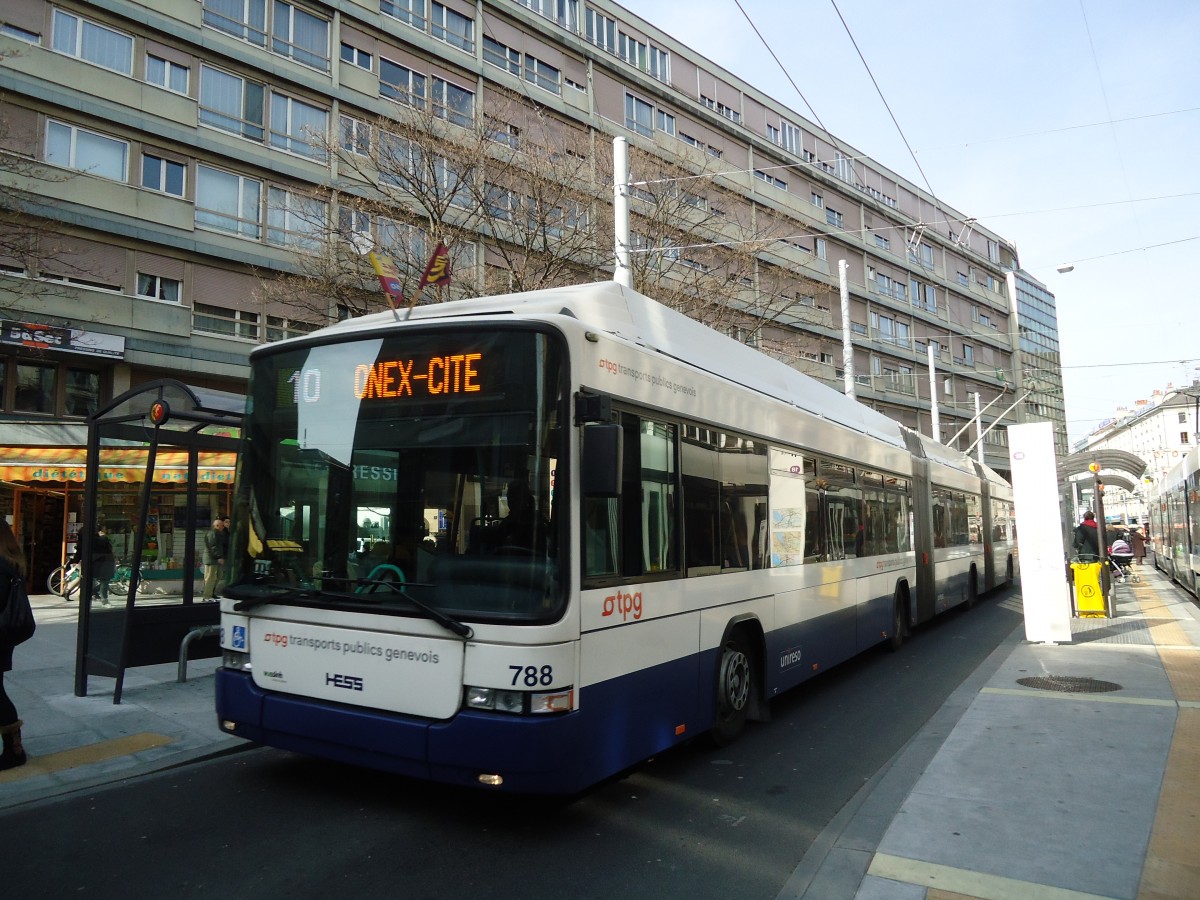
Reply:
x=1120, y=556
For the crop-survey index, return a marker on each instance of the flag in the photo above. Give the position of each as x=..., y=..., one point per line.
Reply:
x=437, y=272
x=389, y=278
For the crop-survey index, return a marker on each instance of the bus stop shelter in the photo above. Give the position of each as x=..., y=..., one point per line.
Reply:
x=186, y=435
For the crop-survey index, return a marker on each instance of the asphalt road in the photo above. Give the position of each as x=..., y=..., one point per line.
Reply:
x=695, y=822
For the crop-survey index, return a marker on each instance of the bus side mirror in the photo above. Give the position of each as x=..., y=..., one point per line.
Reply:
x=603, y=446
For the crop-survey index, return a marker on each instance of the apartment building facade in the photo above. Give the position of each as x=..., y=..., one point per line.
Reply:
x=173, y=157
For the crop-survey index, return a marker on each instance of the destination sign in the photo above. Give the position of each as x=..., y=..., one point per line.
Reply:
x=417, y=376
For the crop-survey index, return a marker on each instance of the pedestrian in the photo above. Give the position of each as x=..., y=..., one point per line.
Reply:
x=104, y=563
x=12, y=566
x=1138, y=543
x=216, y=546
x=1087, y=538
x=226, y=537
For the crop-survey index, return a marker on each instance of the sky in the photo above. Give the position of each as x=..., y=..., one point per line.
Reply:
x=1071, y=128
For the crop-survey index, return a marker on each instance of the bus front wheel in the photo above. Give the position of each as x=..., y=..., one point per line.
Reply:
x=735, y=687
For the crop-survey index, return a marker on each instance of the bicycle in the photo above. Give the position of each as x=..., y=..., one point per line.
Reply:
x=119, y=583
x=64, y=581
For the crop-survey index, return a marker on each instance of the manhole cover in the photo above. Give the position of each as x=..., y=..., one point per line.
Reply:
x=1071, y=684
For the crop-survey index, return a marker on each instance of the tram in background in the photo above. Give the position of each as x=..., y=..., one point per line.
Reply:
x=528, y=541
x=1174, y=514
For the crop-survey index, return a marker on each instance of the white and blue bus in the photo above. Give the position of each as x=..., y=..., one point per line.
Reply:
x=528, y=541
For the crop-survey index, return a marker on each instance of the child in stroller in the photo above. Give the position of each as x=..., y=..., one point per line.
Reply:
x=1121, y=555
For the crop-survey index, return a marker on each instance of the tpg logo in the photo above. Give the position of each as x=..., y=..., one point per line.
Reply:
x=349, y=682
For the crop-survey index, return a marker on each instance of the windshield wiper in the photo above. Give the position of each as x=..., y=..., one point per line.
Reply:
x=252, y=594
x=448, y=622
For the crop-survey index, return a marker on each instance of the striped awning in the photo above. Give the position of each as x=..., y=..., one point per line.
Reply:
x=118, y=465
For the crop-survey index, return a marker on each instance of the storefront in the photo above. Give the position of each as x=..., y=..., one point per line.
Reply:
x=42, y=494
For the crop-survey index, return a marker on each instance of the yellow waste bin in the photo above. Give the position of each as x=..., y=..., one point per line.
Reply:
x=1089, y=594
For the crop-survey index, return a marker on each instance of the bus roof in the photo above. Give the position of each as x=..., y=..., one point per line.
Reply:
x=625, y=314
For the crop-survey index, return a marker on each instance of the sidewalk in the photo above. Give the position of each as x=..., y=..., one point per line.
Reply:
x=1054, y=772
x=75, y=743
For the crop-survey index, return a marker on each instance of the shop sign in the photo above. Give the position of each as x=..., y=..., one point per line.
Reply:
x=68, y=340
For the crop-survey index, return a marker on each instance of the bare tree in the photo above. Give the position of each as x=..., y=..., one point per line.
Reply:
x=705, y=251
x=29, y=238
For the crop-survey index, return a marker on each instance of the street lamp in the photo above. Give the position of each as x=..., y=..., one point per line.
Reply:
x=1065, y=268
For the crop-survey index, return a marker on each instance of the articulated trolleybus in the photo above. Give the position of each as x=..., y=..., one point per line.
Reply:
x=529, y=541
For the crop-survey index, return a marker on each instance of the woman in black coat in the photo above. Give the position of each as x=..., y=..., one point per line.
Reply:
x=12, y=565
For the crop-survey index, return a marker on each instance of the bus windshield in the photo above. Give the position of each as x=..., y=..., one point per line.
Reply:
x=405, y=472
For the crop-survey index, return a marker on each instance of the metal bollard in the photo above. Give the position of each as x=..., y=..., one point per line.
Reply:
x=202, y=631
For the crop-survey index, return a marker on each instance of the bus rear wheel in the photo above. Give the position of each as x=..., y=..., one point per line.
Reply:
x=899, y=623
x=735, y=687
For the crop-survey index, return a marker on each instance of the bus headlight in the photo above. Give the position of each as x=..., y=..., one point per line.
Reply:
x=519, y=702
x=235, y=660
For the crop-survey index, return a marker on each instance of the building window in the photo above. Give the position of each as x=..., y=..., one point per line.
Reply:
x=36, y=388
x=228, y=202
x=770, y=179
x=245, y=19
x=818, y=200
x=564, y=12
x=924, y=296
x=410, y=12
x=963, y=279
x=82, y=394
x=453, y=103
x=452, y=27
x=401, y=84
x=600, y=30
x=300, y=35
x=294, y=220
x=231, y=103
x=497, y=54
x=543, y=75
x=236, y=323
x=834, y=218
x=295, y=33
x=968, y=355
x=354, y=226
x=92, y=42
x=356, y=57
x=639, y=115
x=727, y=111
x=298, y=127
x=279, y=328
x=86, y=151
x=20, y=34
x=164, y=175
x=819, y=247
x=167, y=74
x=156, y=287
x=355, y=136
x=882, y=243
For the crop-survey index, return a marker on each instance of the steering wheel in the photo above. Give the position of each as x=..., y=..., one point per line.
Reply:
x=383, y=572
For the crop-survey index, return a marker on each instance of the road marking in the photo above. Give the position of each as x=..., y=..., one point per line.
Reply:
x=1078, y=695
x=971, y=884
x=85, y=756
